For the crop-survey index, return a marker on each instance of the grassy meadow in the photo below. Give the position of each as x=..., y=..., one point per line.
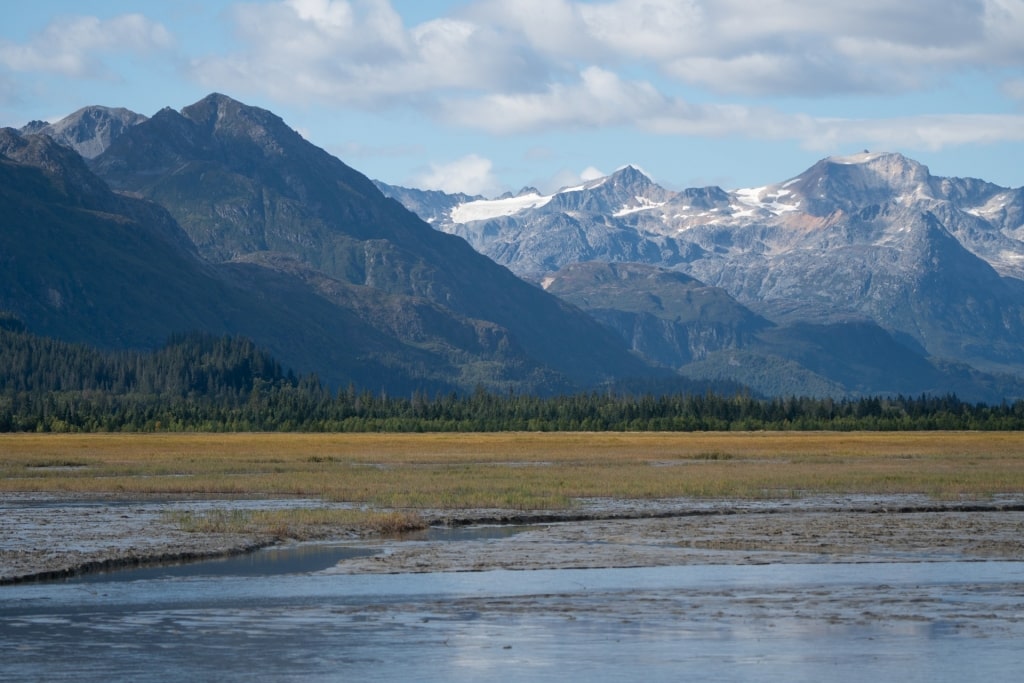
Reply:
x=520, y=471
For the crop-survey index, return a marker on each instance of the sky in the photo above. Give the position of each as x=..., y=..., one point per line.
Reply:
x=489, y=96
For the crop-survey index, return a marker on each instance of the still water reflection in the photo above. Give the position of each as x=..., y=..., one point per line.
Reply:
x=836, y=622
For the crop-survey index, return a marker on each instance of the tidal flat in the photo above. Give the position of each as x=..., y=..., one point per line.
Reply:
x=82, y=503
x=514, y=557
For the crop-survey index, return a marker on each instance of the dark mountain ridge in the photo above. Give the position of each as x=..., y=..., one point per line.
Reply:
x=241, y=182
x=227, y=221
x=86, y=265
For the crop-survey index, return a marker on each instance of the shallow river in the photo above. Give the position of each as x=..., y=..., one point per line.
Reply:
x=289, y=617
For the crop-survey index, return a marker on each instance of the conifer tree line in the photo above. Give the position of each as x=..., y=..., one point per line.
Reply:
x=199, y=382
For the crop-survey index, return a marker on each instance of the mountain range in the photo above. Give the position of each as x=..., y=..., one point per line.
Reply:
x=868, y=244
x=221, y=218
x=862, y=275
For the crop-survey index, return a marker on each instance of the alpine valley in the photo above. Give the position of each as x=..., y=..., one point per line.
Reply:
x=864, y=275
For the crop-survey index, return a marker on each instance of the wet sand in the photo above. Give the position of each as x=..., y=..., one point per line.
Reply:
x=44, y=536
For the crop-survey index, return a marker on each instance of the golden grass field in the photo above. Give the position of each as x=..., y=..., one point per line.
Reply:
x=519, y=471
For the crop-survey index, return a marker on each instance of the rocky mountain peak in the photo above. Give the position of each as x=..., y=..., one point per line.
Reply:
x=890, y=168
x=33, y=127
x=223, y=117
x=215, y=109
x=629, y=174
x=625, y=190
x=90, y=130
x=704, y=197
x=858, y=180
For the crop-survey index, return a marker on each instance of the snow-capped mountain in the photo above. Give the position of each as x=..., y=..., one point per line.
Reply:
x=937, y=262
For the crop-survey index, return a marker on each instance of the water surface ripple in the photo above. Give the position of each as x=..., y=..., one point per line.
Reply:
x=933, y=621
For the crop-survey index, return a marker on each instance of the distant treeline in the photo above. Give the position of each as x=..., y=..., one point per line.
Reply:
x=204, y=383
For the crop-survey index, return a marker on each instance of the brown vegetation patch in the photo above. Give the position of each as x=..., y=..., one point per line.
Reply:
x=517, y=471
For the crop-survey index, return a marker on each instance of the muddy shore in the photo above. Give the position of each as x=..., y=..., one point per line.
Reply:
x=47, y=536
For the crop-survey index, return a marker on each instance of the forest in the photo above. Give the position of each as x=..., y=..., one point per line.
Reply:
x=200, y=382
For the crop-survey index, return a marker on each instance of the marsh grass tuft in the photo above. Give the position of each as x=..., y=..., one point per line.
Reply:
x=712, y=455
x=299, y=523
x=56, y=464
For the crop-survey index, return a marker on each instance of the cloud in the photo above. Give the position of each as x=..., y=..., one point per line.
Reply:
x=598, y=98
x=362, y=54
x=671, y=67
x=774, y=47
x=601, y=98
x=73, y=46
x=932, y=132
x=471, y=174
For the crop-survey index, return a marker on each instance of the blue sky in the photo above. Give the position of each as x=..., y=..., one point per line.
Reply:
x=485, y=96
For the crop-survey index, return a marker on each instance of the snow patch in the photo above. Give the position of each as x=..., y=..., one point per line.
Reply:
x=589, y=185
x=990, y=209
x=767, y=198
x=643, y=204
x=850, y=159
x=485, y=209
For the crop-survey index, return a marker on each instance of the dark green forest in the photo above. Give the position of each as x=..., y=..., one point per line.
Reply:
x=199, y=382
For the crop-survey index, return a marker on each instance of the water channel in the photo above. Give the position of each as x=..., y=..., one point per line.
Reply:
x=289, y=614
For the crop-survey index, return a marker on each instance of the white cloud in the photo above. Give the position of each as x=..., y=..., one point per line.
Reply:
x=471, y=174
x=598, y=98
x=73, y=46
x=774, y=47
x=536, y=65
x=549, y=27
x=651, y=29
x=591, y=173
x=361, y=53
x=601, y=98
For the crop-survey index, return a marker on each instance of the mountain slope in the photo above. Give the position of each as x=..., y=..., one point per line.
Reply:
x=677, y=321
x=243, y=183
x=86, y=265
x=668, y=317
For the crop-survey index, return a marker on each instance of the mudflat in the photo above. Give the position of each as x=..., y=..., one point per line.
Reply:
x=78, y=503
x=725, y=536
x=47, y=536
